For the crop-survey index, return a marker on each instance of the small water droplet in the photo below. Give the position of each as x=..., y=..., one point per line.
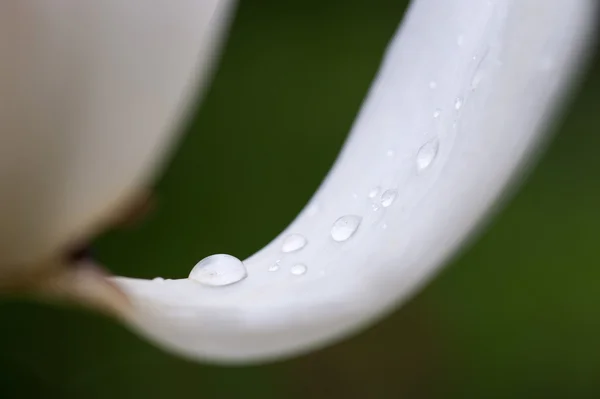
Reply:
x=437, y=113
x=384, y=226
x=293, y=242
x=427, y=154
x=390, y=153
x=312, y=210
x=345, y=227
x=375, y=206
x=388, y=197
x=432, y=84
x=458, y=103
x=218, y=270
x=460, y=40
x=476, y=80
x=158, y=280
x=374, y=191
x=298, y=269
x=275, y=266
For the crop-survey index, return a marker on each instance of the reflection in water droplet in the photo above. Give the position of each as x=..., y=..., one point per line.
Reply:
x=432, y=84
x=158, y=280
x=458, y=103
x=427, y=154
x=298, y=269
x=293, y=242
x=374, y=191
x=218, y=270
x=345, y=227
x=388, y=197
x=275, y=266
x=437, y=113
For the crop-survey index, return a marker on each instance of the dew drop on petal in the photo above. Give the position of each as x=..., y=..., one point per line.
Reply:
x=345, y=227
x=374, y=191
x=312, y=210
x=218, y=270
x=427, y=154
x=293, y=242
x=275, y=266
x=298, y=269
x=458, y=103
x=388, y=197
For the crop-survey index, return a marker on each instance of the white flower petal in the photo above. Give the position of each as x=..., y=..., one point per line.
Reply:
x=501, y=69
x=91, y=92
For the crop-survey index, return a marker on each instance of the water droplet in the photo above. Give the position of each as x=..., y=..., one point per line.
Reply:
x=384, y=226
x=275, y=266
x=158, y=280
x=458, y=103
x=432, y=84
x=388, y=197
x=476, y=80
x=460, y=40
x=218, y=270
x=375, y=206
x=374, y=191
x=390, y=153
x=293, y=242
x=427, y=154
x=312, y=210
x=437, y=113
x=299, y=269
x=345, y=227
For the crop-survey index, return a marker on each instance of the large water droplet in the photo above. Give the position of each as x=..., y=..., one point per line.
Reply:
x=427, y=154
x=298, y=269
x=293, y=242
x=388, y=197
x=345, y=227
x=218, y=270
x=374, y=191
x=458, y=103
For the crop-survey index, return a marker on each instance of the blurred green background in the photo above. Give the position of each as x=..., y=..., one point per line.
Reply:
x=516, y=316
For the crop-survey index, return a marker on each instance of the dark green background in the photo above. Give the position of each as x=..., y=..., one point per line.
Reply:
x=517, y=316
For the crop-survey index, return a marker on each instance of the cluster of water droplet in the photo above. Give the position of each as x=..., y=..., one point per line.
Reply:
x=221, y=270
